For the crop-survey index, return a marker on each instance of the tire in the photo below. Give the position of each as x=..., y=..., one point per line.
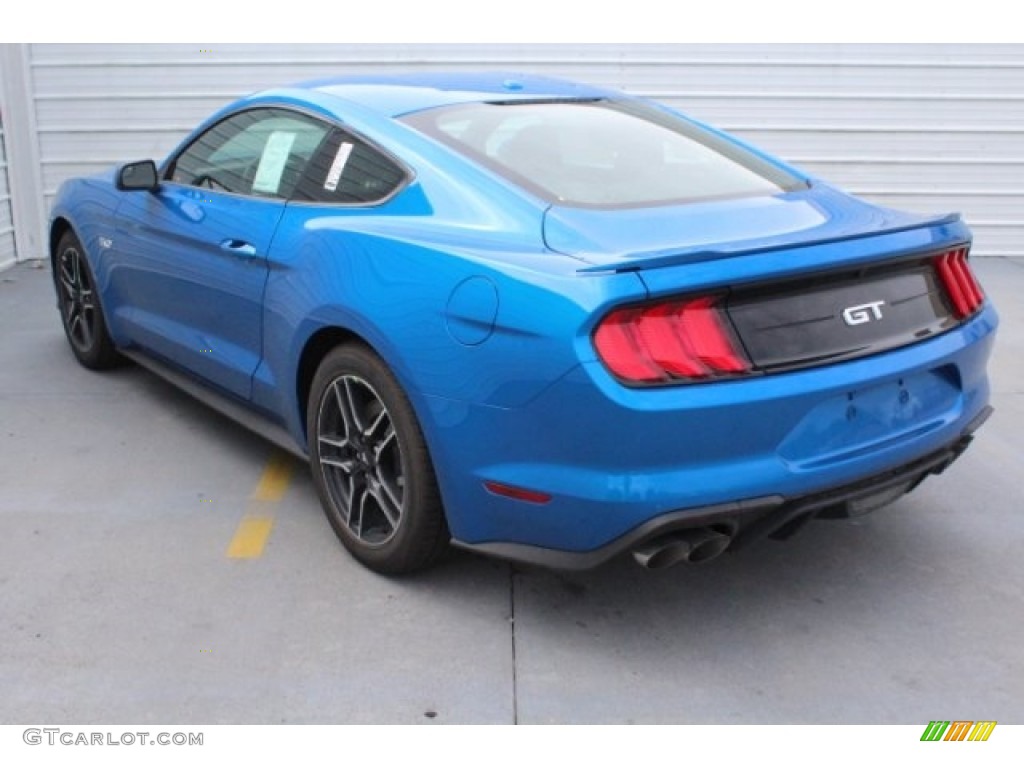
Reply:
x=80, y=310
x=370, y=465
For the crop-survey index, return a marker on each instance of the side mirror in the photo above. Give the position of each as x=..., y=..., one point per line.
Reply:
x=139, y=175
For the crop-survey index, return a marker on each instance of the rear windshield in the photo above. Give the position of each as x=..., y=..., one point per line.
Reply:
x=601, y=153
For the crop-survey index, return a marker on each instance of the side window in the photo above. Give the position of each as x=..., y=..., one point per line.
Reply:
x=348, y=170
x=259, y=152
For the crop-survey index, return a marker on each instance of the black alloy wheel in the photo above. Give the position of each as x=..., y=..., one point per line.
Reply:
x=371, y=466
x=81, y=313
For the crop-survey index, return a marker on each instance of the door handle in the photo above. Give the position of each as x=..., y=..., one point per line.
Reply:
x=238, y=248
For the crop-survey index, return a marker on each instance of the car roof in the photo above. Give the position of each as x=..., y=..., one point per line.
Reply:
x=400, y=94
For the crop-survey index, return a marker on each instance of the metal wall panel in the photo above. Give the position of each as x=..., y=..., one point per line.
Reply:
x=6, y=219
x=924, y=127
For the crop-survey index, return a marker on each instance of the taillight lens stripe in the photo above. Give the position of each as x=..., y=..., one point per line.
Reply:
x=970, y=281
x=961, y=286
x=951, y=279
x=670, y=341
x=702, y=323
x=620, y=349
x=667, y=342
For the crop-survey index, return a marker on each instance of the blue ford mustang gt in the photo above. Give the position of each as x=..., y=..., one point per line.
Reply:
x=536, y=319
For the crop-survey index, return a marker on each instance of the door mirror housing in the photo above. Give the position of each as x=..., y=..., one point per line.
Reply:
x=138, y=175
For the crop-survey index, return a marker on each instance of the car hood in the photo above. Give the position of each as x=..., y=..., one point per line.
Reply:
x=642, y=238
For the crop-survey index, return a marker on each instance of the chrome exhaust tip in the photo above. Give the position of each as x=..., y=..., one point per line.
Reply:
x=696, y=546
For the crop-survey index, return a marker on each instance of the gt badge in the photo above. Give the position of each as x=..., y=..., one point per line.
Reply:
x=863, y=313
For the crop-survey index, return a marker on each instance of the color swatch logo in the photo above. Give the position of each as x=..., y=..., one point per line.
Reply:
x=958, y=730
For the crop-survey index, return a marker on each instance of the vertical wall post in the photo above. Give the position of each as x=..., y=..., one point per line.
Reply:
x=28, y=208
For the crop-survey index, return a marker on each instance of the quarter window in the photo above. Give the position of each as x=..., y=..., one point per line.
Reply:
x=348, y=170
x=260, y=152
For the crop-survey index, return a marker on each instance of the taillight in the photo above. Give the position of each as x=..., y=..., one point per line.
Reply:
x=961, y=286
x=668, y=341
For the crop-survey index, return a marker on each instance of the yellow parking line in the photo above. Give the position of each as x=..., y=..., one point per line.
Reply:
x=254, y=529
x=275, y=479
x=250, y=537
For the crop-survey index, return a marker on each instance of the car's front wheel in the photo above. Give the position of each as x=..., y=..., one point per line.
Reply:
x=80, y=310
x=371, y=466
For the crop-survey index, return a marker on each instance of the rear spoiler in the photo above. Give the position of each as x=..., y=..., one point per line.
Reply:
x=639, y=262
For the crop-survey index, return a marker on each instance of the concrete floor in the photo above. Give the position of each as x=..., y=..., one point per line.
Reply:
x=119, y=496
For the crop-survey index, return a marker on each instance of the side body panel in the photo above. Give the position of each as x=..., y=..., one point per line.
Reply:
x=186, y=272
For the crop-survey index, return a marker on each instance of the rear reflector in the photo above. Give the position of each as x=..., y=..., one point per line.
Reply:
x=961, y=287
x=689, y=340
x=519, y=494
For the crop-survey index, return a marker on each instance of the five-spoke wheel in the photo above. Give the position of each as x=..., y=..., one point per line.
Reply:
x=361, y=460
x=80, y=308
x=371, y=466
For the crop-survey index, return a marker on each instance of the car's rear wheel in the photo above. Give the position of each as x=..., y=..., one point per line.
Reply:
x=80, y=310
x=371, y=466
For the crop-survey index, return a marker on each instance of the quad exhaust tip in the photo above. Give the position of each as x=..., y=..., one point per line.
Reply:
x=695, y=546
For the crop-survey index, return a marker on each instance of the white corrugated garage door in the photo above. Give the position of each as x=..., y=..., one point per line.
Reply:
x=6, y=220
x=925, y=127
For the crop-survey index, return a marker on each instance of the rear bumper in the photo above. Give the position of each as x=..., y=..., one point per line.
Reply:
x=621, y=465
x=747, y=520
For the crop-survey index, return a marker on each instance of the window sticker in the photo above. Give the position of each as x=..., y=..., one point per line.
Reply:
x=273, y=161
x=338, y=166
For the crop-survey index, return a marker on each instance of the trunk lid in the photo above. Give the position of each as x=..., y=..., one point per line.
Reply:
x=632, y=239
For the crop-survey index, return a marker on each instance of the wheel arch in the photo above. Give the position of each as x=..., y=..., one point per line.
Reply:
x=58, y=228
x=319, y=344
x=316, y=348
